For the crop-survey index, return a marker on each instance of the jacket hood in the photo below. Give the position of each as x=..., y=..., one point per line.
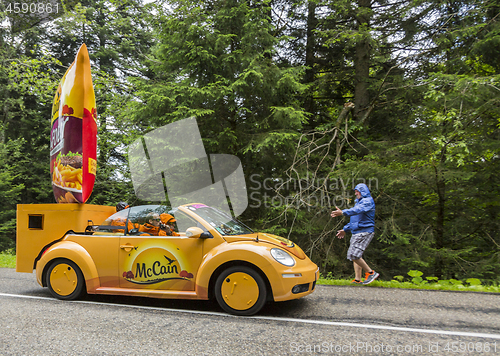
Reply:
x=363, y=189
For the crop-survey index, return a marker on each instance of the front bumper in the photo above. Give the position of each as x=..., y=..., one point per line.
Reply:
x=295, y=282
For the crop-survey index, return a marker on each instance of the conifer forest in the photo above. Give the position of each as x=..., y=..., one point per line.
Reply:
x=313, y=97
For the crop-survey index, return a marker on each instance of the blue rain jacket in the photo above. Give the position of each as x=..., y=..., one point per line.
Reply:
x=362, y=215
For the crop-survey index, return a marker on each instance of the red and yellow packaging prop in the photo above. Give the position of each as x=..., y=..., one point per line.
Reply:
x=73, y=137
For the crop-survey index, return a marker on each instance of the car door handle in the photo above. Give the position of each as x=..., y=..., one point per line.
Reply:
x=127, y=247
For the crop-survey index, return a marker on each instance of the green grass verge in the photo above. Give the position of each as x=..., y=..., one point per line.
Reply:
x=441, y=285
x=7, y=260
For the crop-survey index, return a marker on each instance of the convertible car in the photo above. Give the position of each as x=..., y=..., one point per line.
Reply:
x=193, y=251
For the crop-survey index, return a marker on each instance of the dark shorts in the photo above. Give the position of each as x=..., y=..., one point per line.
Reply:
x=359, y=242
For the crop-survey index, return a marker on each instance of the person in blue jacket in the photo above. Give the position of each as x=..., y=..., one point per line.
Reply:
x=362, y=227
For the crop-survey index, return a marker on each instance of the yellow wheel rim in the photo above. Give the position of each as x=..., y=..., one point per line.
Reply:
x=63, y=279
x=240, y=291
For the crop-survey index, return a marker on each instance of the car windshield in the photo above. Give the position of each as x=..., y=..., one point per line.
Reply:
x=116, y=223
x=147, y=218
x=220, y=221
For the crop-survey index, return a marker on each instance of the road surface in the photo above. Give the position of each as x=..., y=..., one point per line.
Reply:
x=334, y=320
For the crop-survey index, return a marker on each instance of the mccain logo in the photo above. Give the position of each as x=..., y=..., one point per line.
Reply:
x=154, y=270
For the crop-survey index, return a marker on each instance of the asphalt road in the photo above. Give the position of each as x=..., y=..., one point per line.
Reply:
x=333, y=320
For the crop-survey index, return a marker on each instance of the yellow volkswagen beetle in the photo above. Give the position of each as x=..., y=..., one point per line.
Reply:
x=190, y=252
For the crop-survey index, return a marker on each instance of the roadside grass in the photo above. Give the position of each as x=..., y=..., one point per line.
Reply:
x=7, y=259
x=415, y=281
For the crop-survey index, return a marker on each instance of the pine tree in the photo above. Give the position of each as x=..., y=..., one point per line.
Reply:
x=215, y=61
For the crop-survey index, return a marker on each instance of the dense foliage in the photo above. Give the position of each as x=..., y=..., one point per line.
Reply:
x=312, y=96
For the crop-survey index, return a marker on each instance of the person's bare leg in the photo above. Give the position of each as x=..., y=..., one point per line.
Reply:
x=362, y=265
x=357, y=271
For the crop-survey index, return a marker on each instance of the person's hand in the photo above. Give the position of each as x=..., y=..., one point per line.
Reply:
x=165, y=227
x=341, y=234
x=336, y=213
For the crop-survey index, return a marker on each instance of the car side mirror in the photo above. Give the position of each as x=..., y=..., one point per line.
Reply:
x=206, y=235
x=197, y=233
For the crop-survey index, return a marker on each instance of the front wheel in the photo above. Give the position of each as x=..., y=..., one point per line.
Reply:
x=65, y=280
x=240, y=290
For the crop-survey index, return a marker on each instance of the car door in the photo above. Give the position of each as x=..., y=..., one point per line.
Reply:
x=147, y=261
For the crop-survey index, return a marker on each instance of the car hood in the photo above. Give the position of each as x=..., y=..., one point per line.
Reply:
x=279, y=241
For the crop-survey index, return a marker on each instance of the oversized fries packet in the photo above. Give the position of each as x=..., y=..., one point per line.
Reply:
x=73, y=137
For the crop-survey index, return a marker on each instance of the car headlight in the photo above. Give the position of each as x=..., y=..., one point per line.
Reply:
x=282, y=257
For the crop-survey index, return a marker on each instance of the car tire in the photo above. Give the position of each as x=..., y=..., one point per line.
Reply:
x=65, y=280
x=240, y=290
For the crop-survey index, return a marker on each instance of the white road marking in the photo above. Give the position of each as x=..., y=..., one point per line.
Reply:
x=270, y=318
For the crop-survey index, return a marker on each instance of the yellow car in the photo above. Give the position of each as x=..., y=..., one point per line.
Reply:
x=190, y=252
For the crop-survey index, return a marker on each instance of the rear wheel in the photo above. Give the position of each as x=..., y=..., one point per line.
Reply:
x=65, y=280
x=240, y=290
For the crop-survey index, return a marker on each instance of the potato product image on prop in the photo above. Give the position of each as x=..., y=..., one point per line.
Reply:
x=73, y=137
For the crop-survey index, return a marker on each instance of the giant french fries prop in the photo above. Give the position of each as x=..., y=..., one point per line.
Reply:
x=73, y=137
